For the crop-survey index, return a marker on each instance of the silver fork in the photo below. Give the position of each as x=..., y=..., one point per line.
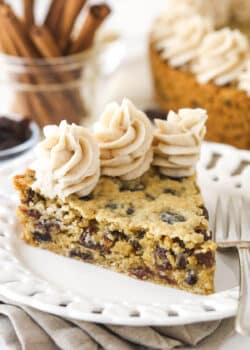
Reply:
x=231, y=228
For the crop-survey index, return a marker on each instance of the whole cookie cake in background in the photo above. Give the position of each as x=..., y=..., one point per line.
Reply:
x=222, y=12
x=199, y=54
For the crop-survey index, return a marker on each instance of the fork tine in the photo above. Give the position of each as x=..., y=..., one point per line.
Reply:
x=233, y=229
x=219, y=222
x=244, y=220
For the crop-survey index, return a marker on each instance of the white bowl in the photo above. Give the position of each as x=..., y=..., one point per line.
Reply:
x=15, y=151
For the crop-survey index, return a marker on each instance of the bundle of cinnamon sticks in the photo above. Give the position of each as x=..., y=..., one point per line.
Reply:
x=54, y=90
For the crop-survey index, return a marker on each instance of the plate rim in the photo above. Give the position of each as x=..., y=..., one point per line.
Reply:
x=106, y=317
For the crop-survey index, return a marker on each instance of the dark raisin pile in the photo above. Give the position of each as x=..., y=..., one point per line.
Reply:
x=13, y=132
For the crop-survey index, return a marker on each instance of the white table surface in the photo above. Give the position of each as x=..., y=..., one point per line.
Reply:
x=132, y=18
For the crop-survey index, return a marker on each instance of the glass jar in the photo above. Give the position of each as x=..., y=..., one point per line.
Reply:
x=50, y=90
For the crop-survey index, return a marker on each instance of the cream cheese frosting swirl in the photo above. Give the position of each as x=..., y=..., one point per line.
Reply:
x=177, y=141
x=221, y=56
x=164, y=25
x=68, y=161
x=218, y=10
x=178, y=37
x=125, y=136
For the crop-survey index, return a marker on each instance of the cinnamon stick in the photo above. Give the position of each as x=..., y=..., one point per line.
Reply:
x=52, y=20
x=53, y=91
x=70, y=12
x=16, y=43
x=28, y=9
x=48, y=48
x=95, y=16
x=7, y=45
x=18, y=32
x=44, y=41
x=56, y=104
x=24, y=48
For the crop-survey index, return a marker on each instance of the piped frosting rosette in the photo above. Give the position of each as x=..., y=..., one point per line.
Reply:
x=164, y=25
x=178, y=35
x=221, y=56
x=68, y=161
x=177, y=141
x=125, y=136
x=218, y=10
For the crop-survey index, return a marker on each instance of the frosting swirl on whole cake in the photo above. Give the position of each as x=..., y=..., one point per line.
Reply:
x=218, y=10
x=177, y=141
x=164, y=25
x=68, y=161
x=125, y=136
x=221, y=56
x=178, y=37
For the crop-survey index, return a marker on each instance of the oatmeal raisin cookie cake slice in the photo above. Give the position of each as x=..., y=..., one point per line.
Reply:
x=124, y=198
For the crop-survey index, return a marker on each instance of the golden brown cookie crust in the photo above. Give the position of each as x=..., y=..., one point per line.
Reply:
x=154, y=228
x=228, y=108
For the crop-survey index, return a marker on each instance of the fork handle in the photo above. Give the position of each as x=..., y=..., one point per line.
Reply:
x=242, y=324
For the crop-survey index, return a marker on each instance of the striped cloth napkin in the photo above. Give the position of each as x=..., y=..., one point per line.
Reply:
x=25, y=328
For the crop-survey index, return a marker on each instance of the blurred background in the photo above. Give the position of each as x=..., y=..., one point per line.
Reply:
x=129, y=17
x=49, y=74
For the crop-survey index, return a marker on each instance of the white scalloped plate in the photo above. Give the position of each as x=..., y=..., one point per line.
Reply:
x=83, y=291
